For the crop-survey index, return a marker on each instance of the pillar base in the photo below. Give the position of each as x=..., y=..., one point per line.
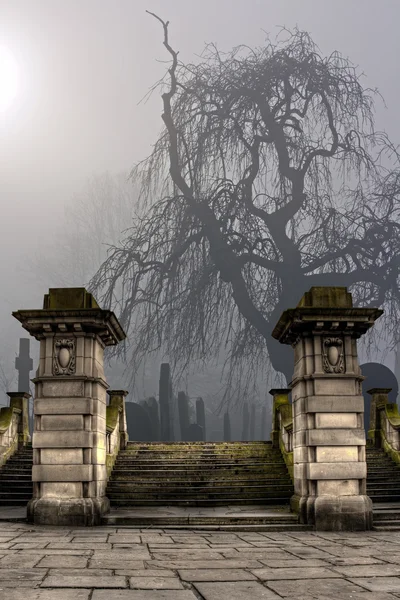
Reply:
x=334, y=513
x=75, y=512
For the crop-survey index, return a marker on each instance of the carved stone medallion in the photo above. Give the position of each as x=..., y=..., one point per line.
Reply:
x=64, y=356
x=333, y=355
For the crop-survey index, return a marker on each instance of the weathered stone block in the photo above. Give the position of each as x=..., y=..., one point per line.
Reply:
x=62, y=473
x=63, y=406
x=62, y=388
x=338, y=487
x=330, y=404
x=335, y=437
x=336, y=419
x=61, y=422
x=344, y=470
x=62, y=490
x=60, y=439
x=61, y=456
x=326, y=454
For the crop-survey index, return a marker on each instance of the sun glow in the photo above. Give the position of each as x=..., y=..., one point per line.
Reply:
x=8, y=78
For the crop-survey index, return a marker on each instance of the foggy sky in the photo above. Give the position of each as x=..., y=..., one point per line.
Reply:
x=86, y=64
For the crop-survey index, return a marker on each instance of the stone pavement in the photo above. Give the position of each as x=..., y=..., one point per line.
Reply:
x=110, y=563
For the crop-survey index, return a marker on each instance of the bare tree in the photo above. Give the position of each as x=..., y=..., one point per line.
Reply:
x=267, y=178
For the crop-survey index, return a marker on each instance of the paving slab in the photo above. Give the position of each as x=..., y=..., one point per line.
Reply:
x=155, y=583
x=35, y=594
x=144, y=595
x=84, y=581
x=215, y=575
x=237, y=590
x=378, y=584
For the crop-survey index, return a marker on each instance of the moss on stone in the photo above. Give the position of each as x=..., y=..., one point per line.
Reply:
x=6, y=414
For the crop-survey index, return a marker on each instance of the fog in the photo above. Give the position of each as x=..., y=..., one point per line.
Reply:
x=84, y=66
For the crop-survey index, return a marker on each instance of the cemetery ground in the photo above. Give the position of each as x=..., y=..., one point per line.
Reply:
x=110, y=563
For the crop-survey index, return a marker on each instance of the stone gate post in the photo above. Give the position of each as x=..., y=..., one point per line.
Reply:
x=328, y=409
x=69, y=447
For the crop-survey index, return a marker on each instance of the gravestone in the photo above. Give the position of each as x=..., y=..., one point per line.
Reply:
x=183, y=410
x=154, y=417
x=24, y=365
x=252, y=422
x=165, y=395
x=227, y=428
x=201, y=415
x=245, y=429
x=377, y=376
x=194, y=433
x=140, y=428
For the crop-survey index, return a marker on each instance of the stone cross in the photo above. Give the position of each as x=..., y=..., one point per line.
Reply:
x=23, y=364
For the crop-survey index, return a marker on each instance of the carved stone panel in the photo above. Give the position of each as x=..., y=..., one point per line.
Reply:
x=333, y=355
x=64, y=356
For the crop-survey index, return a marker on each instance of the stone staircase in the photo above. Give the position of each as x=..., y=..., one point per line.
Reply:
x=199, y=474
x=16, y=478
x=383, y=487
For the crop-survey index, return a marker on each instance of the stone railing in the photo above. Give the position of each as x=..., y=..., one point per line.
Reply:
x=14, y=425
x=384, y=431
x=116, y=428
x=282, y=426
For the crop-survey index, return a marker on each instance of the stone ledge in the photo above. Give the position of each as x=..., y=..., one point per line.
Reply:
x=338, y=470
x=59, y=473
x=64, y=406
x=335, y=437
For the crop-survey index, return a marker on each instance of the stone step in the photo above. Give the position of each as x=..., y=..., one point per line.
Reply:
x=199, y=459
x=193, y=466
x=222, y=502
x=384, y=497
x=387, y=526
x=383, y=491
x=181, y=483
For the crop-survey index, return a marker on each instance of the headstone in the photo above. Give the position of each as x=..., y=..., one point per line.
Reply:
x=194, y=433
x=154, y=417
x=227, y=428
x=139, y=424
x=201, y=415
x=377, y=376
x=165, y=393
x=252, y=422
x=245, y=429
x=24, y=365
x=183, y=409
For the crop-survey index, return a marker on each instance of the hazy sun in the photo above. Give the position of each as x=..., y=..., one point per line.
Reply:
x=8, y=78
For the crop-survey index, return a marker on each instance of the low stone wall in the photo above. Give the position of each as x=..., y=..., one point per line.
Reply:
x=14, y=425
x=384, y=429
x=282, y=426
x=116, y=428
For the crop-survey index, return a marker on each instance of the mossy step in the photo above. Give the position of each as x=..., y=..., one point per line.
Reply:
x=213, y=482
x=222, y=502
x=172, y=490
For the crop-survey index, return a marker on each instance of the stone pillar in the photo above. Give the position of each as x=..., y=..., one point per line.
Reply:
x=183, y=410
x=328, y=409
x=280, y=397
x=69, y=440
x=165, y=397
x=245, y=428
x=227, y=428
x=201, y=416
x=379, y=399
x=20, y=400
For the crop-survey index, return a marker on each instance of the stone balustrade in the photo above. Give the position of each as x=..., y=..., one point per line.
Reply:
x=116, y=427
x=14, y=425
x=384, y=431
x=282, y=426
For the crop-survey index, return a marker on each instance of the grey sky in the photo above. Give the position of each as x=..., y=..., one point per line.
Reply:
x=84, y=66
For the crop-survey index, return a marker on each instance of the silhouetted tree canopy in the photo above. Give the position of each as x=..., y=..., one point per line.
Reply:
x=268, y=177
